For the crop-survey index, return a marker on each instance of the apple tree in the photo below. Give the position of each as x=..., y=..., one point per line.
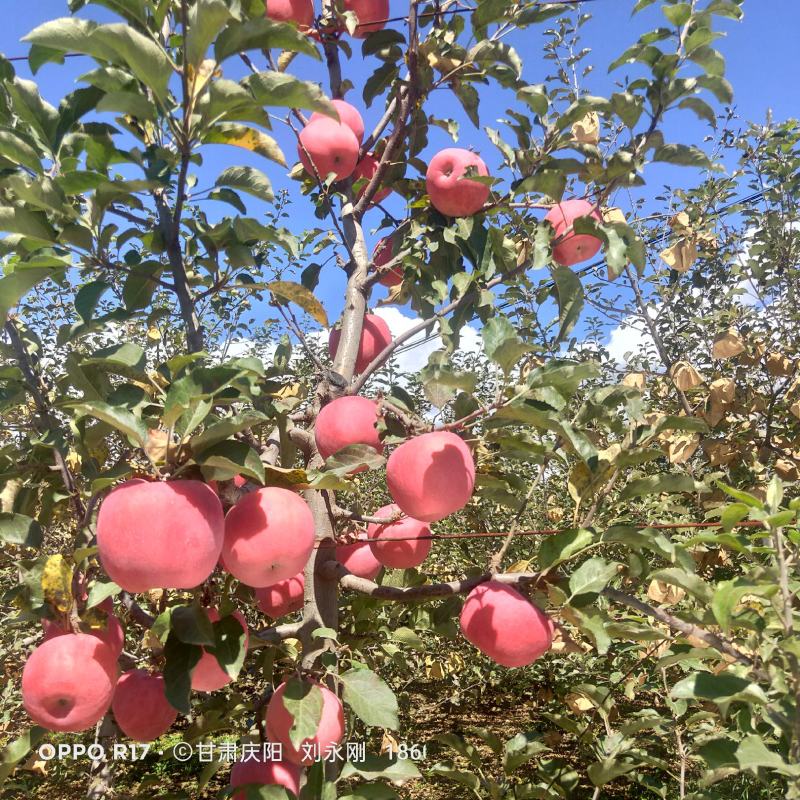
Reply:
x=222, y=494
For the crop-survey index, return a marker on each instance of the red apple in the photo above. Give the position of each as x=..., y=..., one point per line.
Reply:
x=264, y=773
x=381, y=255
x=574, y=247
x=329, y=146
x=301, y=12
x=451, y=194
x=329, y=732
x=208, y=675
x=431, y=476
x=140, y=706
x=372, y=15
x=112, y=635
x=359, y=559
x=409, y=551
x=375, y=336
x=366, y=168
x=347, y=421
x=269, y=536
x=68, y=682
x=160, y=535
x=505, y=625
x=283, y=597
x=348, y=115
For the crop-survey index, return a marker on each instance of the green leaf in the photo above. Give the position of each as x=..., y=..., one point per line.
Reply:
x=302, y=297
x=88, y=297
x=353, y=456
x=519, y=750
x=225, y=428
x=562, y=546
x=379, y=81
x=181, y=659
x=192, y=625
x=682, y=154
x=247, y=179
x=591, y=577
x=21, y=530
x=262, y=33
x=17, y=749
x=702, y=109
x=230, y=647
x=678, y=14
x=126, y=358
x=370, y=698
x=656, y=484
x=118, y=43
x=753, y=754
x=303, y=701
x=569, y=292
x=502, y=344
x=19, y=152
x=100, y=591
x=721, y=689
x=17, y=284
x=373, y=767
x=710, y=60
x=27, y=223
x=119, y=418
x=206, y=19
x=535, y=97
x=281, y=89
x=225, y=460
x=727, y=595
x=693, y=584
x=247, y=138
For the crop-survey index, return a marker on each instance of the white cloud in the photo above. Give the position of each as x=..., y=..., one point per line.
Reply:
x=631, y=336
x=413, y=354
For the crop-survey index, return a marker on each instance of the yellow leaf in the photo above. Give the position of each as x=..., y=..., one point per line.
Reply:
x=443, y=64
x=685, y=376
x=156, y=447
x=720, y=452
x=519, y=566
x=153, y=333
x=682, y=447
x=778, y=365
x=57, y=583
x=284, y=477
x=787, y=470
x=9, y=493
x=681, y=255
x=794, y=408
x=587, y=130
x=636, y=380
x=247, y=138
x=680, y=222
x=613, y=214
x=727, y=344
x=664, y=593
x=578, y=703
x=200, y=77
x=302, y=297
x=723, y=391
x=288, y=390
x=284, y=59
x=74, y=460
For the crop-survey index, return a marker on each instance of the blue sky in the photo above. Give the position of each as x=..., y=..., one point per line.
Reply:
x=761, y=53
